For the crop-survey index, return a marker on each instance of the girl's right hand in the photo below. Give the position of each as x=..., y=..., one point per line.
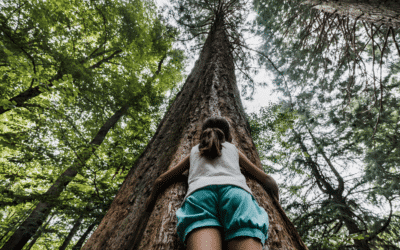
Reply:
x=151, y=201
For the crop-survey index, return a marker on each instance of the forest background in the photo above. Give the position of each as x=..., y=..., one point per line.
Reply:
x=85, y=85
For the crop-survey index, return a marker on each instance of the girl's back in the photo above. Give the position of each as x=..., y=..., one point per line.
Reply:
x=222, y=170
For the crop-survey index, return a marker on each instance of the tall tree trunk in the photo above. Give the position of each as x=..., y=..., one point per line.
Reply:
x=28, y=228
x=82, y=239
x=77, y=224
x=385, y=12
x=210, y=90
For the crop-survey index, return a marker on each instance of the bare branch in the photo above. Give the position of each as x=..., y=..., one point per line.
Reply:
x=340, y=188
x=384, y=226
x=105, y=59
x=394, y=40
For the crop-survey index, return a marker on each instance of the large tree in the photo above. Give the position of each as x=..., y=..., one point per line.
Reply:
x=210, y=90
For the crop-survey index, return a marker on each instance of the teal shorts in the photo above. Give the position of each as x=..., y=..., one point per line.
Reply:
x=226, y=206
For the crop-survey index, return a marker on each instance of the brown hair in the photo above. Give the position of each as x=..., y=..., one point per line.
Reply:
x=215, y=131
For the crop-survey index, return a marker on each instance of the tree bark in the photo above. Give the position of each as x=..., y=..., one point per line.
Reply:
x=28, y=228
x=385, y=12
x=210, y=90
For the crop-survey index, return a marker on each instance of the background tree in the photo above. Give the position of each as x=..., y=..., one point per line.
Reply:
x=103, y=102
x=378, y=12
x=345, y=111
x=210, y=90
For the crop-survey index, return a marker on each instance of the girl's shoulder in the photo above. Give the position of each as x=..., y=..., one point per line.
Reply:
x=229, y=146
x=228, y=143
x=195, y=147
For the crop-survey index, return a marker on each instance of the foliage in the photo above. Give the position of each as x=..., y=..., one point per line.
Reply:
x=345, y=130
x=268, y=127
x=86, y=60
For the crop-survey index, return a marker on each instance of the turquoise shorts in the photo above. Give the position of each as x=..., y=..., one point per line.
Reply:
x=226, y=206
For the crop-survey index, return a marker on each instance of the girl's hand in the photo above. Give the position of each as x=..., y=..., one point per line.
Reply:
x=269, y=184
x=151, y=201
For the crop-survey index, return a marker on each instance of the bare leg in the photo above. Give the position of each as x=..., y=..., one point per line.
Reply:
x=204, y=238
x=244, y=243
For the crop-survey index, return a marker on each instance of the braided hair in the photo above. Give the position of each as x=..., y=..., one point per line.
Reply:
x=215, y=131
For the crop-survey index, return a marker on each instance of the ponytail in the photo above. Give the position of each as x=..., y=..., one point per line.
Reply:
x=215, y=131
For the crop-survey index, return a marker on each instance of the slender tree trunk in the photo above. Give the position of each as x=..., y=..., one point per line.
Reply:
x=386, y=12
x=77, y=224
x=210, y=90
x=15, y=224
x=28, y=228
x=39, y=233
x=82, y=239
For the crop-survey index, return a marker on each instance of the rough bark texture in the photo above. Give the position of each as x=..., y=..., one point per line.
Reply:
x=385, y=12
x=210, y=90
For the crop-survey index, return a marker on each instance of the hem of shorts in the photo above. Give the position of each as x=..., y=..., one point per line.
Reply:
x=198, y=224
x=251, y=232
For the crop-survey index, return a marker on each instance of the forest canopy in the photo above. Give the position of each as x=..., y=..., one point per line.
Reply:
x=83, y=87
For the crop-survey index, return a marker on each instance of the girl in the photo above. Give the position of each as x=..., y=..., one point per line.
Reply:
x=218, y=206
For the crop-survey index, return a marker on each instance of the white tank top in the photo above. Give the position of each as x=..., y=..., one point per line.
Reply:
x=223, y=170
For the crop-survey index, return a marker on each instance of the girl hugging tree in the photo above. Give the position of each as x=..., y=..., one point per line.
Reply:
x=218, y=206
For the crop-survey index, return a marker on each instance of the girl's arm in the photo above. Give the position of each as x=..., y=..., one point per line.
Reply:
x=165, y=180
x=172, y=175
x=268, y=183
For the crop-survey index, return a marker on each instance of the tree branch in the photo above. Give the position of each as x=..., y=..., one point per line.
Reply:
x=394, y=40
x=384, y=226
x=25, y=52
x=340, y=188
x=96, y=65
